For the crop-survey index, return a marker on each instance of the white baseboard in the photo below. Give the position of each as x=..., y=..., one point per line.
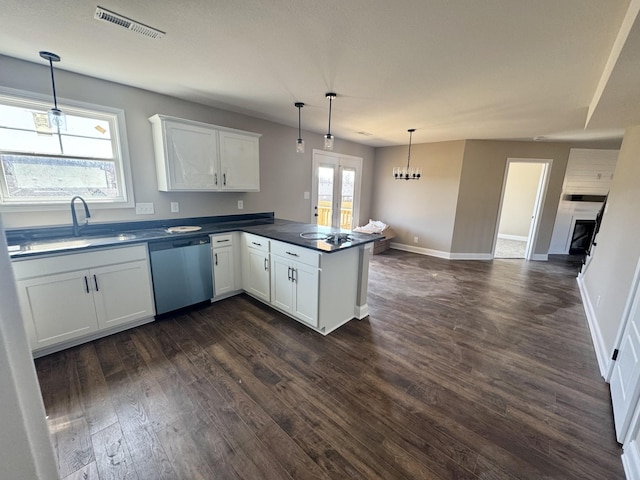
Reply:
x=440, y=253
x=631, y=461
x=518, y=238
x=420, y=250
x=596, y=335
x=471, y=256
x=362, y=311
x=541, y=257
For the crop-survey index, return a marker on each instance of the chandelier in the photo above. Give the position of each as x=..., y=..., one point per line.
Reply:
x=407, y=173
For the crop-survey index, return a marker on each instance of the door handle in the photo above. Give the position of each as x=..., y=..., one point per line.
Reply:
x=222, y=241
x=86, y=284
x=215, y=179
x=95, y=282
x=215, y=255
x=256, y=243
x=289, y=273
x=293, y=275
x=292, y=254
x=266, y=264
x=224, y=179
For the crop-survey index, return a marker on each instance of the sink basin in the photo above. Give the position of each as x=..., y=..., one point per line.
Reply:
x=69, y=243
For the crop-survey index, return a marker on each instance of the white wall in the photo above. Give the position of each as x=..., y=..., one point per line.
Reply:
x=25, y=448
x=519, y=198
x=607, y=280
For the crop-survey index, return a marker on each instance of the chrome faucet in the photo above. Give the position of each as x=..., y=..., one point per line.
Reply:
x=74, y=217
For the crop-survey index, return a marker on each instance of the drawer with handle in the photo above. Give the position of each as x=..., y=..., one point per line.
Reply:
x=257, y=242
x=293, y=252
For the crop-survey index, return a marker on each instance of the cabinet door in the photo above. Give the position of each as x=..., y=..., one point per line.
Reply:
x=281, y=283
x=257, y=274
x=305, y=291
x=122, y=293
x=191, y=157
x=223, y=271
x=239, y=162
x=57, y=308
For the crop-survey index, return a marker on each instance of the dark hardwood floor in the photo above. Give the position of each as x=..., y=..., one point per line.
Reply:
x=464, y=370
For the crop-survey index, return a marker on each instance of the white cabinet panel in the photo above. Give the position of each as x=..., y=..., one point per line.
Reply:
x=256, y=266
x=239, y=162
x=57, y=307
x=122, y=293
x=223, y=271
x=281, y=288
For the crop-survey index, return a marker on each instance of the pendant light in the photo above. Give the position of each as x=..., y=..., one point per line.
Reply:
x=328, y=138
x=300, y=141
x=407, y=173
x=57, y=118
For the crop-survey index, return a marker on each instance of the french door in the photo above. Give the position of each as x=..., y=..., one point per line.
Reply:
x=336, y=190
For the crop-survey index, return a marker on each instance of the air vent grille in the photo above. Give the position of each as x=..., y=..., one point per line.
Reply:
x=122, y=21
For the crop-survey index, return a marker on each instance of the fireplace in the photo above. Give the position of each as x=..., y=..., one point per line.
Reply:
x=582, y=236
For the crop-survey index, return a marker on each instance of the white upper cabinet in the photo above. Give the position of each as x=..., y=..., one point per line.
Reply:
x=239, y=161
x=193, y=156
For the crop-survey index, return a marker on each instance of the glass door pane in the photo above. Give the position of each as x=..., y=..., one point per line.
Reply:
x=324, y=201
x=346, y=197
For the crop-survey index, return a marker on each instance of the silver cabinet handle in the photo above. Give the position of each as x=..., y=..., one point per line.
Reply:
x=266, y=264
x=293, y=275
x=256, y=243
x=95, y=282
x=292, y=254
x=289, y=273
x=86, y=284
x=222, y=241
x=224, y=179
x=215, y=179
x=215, y=255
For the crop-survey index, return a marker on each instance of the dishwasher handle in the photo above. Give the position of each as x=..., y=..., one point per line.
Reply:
x=178, y=243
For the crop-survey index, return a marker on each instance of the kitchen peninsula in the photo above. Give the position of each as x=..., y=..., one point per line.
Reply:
x=315, y=275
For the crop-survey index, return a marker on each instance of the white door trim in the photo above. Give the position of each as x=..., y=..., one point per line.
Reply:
x=539, y=203
x=339, y=160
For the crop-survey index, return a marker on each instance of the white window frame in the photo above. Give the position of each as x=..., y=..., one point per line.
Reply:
x=119, y=140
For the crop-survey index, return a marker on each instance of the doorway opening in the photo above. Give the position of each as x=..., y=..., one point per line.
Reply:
x=523, y=192
x=336, y=190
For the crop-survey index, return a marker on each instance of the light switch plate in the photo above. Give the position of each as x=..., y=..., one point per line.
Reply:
x=144, y=208
x=175, y=207
x=240, y=204
x=307, y=195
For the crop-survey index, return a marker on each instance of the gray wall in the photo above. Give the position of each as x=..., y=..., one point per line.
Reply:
x=284, y=174
x=425, y=208
x=610, y=273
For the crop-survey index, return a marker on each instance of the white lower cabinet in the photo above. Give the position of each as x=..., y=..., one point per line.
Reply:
x=294, y=288
x=226, y=271
x=69, y=297
x=256, y=266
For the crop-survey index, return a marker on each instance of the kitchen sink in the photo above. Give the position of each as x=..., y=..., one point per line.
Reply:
x=70, y=243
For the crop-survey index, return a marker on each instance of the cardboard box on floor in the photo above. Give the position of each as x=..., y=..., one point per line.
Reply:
x=381, y=245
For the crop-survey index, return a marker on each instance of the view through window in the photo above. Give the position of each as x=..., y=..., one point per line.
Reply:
x=41, y=165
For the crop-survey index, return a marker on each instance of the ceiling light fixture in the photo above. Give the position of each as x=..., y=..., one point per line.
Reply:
x=408, y=173
x=56, y=117
x=328, y=138
x=300, y=141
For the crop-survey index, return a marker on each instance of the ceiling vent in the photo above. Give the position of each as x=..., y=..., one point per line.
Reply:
x=122, y=21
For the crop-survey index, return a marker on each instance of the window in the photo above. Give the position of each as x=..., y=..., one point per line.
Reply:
x=40, y=165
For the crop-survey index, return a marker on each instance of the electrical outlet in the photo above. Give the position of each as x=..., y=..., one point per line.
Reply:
x=240, y=204
x=144, y=208
x=415, y=239
x=175, y=207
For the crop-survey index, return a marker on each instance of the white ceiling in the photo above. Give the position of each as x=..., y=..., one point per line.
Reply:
x=452, y=69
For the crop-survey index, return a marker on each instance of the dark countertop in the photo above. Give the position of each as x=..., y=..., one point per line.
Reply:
x=29, y=243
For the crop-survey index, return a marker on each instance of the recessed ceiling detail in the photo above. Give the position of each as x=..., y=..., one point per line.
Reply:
x=115, y=18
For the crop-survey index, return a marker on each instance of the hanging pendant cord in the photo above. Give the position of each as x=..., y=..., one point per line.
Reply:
x=330, y=103
x=299, y=131
x=53, y=84
x=409, y=156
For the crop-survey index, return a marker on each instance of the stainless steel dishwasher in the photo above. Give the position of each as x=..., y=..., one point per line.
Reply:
x=181, y=272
